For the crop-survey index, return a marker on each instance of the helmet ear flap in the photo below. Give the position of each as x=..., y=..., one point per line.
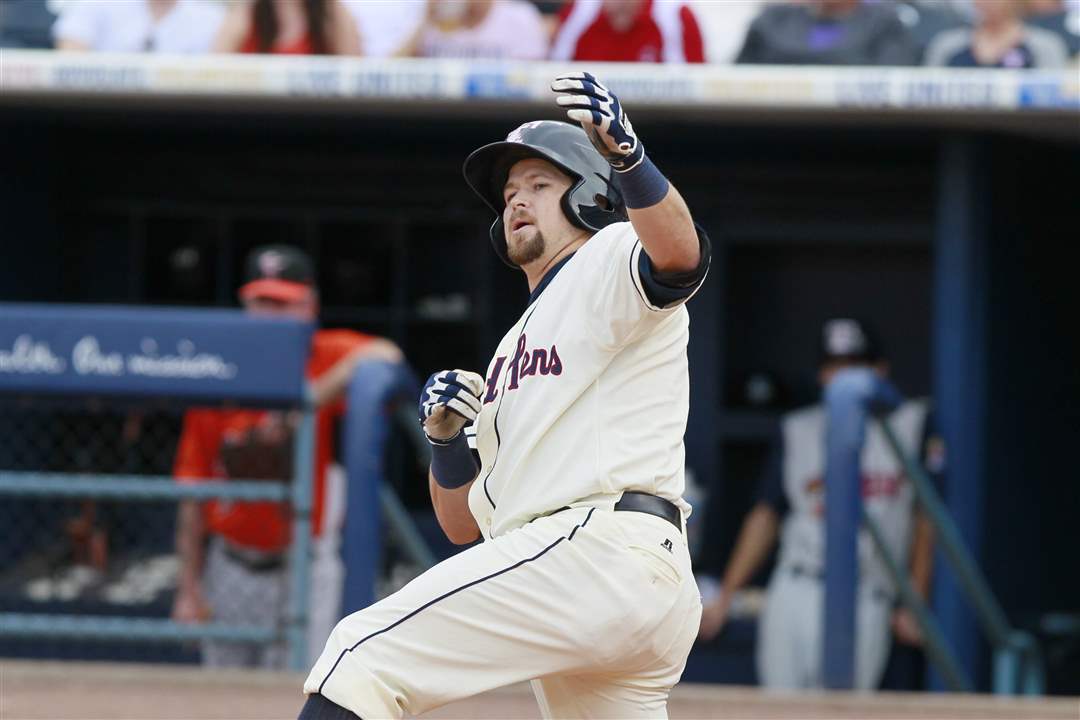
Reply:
x=599, y=203
x=498, y=241
x=568, y=209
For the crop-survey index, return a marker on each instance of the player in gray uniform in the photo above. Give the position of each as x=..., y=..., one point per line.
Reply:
x=566, y=457
x=790, y=506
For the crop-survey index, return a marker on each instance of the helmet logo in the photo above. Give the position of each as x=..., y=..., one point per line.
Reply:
x=271, y=263
x=515, y=134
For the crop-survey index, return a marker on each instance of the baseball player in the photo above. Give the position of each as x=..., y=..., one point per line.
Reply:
x=233, y=554
x=582, y=583
x=789, y=648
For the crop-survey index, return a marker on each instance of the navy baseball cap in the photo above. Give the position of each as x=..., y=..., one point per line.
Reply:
x=847, y=340
x=278, y=272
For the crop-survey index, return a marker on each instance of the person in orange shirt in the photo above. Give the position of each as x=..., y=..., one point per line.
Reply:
x=232, y=554
x=289, y=27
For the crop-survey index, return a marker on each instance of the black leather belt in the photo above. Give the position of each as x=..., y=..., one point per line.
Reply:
x=651, y=505
x=803, y=572
x=256, y=562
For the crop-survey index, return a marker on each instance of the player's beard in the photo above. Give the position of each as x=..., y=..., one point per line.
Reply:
x=527, y=250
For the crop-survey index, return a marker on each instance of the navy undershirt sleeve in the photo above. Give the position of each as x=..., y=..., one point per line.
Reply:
x=771, y=487
x=664, y=289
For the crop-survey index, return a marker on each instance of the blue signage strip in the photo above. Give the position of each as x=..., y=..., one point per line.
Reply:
x=186, y=354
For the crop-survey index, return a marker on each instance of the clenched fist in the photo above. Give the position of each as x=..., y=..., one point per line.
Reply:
x=450, y=399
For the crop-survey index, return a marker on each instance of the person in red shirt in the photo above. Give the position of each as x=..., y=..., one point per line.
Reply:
x=232, y=554
x=289, y=27
x=628, y=31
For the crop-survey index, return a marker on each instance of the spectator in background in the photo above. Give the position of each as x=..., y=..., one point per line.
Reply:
x=724, y=26
x=790, y=508
x=26, y=24
x=926, y=19
x=387, y=26
x=482, y=29
x=289, y=27
x=549, y=12
x=999, y=40
x=829, y=32
x=1059, y=17
x=243, y=578
x=168, y=26
x=628, y=31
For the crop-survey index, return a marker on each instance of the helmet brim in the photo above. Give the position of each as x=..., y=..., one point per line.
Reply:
x=487, y=168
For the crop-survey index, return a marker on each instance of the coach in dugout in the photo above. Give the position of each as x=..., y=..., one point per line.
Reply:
x=790, y=509
x=232, y=554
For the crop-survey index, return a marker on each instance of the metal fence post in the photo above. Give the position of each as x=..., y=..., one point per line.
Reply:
x=300, y=550
x=1016, y=665
x=968, y=575
x=848, y=400
x=936, y=647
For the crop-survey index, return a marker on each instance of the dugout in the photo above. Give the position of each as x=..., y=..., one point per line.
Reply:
x=951, y=228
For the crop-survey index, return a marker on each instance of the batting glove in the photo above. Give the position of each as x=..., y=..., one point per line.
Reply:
x=449, y=400
x=601, y=116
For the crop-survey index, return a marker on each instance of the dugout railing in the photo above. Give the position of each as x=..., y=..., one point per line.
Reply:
x=204, y=357
x=855, y=398
x=1017, y=662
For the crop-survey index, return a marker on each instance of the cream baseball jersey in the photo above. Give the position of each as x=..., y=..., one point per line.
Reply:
x=587, y=394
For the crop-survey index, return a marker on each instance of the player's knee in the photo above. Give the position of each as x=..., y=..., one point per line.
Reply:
x=319, y=708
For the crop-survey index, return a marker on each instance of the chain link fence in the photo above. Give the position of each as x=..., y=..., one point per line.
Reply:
x=80, y=555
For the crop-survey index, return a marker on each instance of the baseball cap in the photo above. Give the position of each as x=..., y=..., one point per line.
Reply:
x=847, y=339
x=280, y=272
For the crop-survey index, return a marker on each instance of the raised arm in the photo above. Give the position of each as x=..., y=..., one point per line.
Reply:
x=655, y=208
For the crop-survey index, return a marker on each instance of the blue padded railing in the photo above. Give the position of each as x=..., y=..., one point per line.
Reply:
x=190, y=357
x=378, y=392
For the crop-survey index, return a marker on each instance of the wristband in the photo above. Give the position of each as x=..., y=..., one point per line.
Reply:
x=452, y=462
x=643, y=185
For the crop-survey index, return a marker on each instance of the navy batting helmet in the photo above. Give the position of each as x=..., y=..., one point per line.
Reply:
x=593, y=200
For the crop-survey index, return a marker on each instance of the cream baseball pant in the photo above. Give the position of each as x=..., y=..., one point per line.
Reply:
x=599, y=607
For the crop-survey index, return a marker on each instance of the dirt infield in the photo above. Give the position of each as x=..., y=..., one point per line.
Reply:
x=90, y=691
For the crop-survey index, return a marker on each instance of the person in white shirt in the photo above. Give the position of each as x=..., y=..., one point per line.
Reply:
x=567, y=459
x=165, y=26
x=481, y=29
x=387, y=26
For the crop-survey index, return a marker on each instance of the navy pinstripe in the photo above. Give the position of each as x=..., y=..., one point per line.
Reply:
x=454, y=592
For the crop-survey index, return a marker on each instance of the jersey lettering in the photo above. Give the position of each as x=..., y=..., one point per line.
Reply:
x=525, y=363
x=493, y=381
x=573, y=366
x=515, y=363
x=874, y=485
